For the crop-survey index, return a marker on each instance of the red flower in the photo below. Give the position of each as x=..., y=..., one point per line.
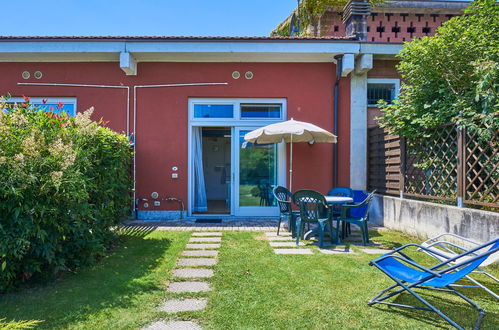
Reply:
x=51, y=108
x=24, y=105
x=26, y=99
x=60, y=105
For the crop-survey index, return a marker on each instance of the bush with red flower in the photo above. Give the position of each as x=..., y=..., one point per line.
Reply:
x=64, y=183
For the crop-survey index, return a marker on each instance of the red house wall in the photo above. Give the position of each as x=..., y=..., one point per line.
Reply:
x=162, y=113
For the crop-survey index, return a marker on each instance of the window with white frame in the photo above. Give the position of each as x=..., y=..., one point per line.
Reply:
x=237, y=109
x=50, y=104
x=382, y=89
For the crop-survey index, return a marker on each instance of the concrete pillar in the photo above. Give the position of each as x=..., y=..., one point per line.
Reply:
x=358, y=130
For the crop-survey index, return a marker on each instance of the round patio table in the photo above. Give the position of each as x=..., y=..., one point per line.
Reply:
x=338, y=199
x=330, y=200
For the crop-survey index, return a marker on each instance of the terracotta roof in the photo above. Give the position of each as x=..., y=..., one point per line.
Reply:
x=172, y=38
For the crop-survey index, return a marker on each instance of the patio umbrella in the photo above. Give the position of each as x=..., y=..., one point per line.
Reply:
x=290, y=131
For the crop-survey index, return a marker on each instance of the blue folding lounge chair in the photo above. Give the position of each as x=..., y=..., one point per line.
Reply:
x=397, y=266
x=450, y=245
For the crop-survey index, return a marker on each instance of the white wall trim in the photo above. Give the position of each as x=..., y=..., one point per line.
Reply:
x=187, y=51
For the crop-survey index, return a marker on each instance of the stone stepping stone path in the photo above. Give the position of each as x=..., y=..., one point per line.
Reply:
x=375, y=251
x=192, y=272
x=285, y=244
x=205, y=239
x=173, y=325
x=278, y=238
x=192, y=262
x=200, y=253
x=203, y=246
x=175, y=306
x=293, y=251
x=181, y=287
x=209, y=233
x=337, y=250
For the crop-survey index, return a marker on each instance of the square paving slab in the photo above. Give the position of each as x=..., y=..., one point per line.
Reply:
x=273, y=233
x=203, y=246
x=293, y=251
x=205, y=239
x=285, y=244
x=185, y=305
x=192, y=272
x=376, y=251
x=173, y=325
x=280, y=238
x=196, y=262
x=189, y=287
x=207, y=233
x=200, y=253
x=336, y=251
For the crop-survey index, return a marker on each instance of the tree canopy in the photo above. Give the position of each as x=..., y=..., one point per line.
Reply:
x=451, y=77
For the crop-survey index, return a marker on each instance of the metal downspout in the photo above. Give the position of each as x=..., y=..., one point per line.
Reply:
x=339, y=68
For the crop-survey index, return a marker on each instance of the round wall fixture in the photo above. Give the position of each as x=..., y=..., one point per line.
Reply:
x=25, y=75
x=38, y=75
x=146, y=204
x=249, y=75
x=154, y=195
x=236, y=75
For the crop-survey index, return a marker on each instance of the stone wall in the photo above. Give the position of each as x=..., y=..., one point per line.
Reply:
x=425, y=219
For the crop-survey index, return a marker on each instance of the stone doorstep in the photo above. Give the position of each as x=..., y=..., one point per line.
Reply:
x=173, y=325
x=185, y=305
x=293, y=251
x=192, y=272
x=200, y=253
x=188, y=287
x=286, y=244
x=208, y=233
x=375, y=251
x=196, y=262
x=205, y=239
x=203, y=246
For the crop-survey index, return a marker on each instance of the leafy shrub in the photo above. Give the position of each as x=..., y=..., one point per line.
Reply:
x=451, y=77
x=64, y=183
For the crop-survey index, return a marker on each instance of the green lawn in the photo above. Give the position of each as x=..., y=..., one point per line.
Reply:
x=253, y=289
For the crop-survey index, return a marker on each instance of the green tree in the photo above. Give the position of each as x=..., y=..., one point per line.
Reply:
x=451, y=77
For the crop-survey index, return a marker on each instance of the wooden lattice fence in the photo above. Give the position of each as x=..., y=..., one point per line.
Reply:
x=452, y=165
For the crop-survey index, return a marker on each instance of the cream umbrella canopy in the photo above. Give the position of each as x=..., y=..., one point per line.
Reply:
x=290, y=131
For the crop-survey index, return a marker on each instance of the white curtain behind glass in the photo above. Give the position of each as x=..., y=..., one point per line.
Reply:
x=200, y=203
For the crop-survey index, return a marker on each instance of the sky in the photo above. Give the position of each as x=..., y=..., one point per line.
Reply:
x=142, y=17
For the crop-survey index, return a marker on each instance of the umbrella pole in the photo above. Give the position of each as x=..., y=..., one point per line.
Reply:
x=291, y=165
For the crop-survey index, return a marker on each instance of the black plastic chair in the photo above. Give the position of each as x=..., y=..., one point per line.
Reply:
x=314, y=209
x=284, y=198
x=347, y=218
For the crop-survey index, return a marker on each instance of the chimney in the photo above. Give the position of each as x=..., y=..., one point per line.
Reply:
x=355, y=18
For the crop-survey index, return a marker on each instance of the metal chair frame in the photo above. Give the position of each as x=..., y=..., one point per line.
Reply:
x=431, y=278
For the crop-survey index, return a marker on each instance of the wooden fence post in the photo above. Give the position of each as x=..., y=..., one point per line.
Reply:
x=461, y=167
x=402, y=166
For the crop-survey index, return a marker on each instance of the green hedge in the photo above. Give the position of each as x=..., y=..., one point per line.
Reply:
x=64, y=183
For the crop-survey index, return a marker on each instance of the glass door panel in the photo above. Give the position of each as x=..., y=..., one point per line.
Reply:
x=257, y=175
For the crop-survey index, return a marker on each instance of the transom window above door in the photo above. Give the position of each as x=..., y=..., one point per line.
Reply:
x=237, y=109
